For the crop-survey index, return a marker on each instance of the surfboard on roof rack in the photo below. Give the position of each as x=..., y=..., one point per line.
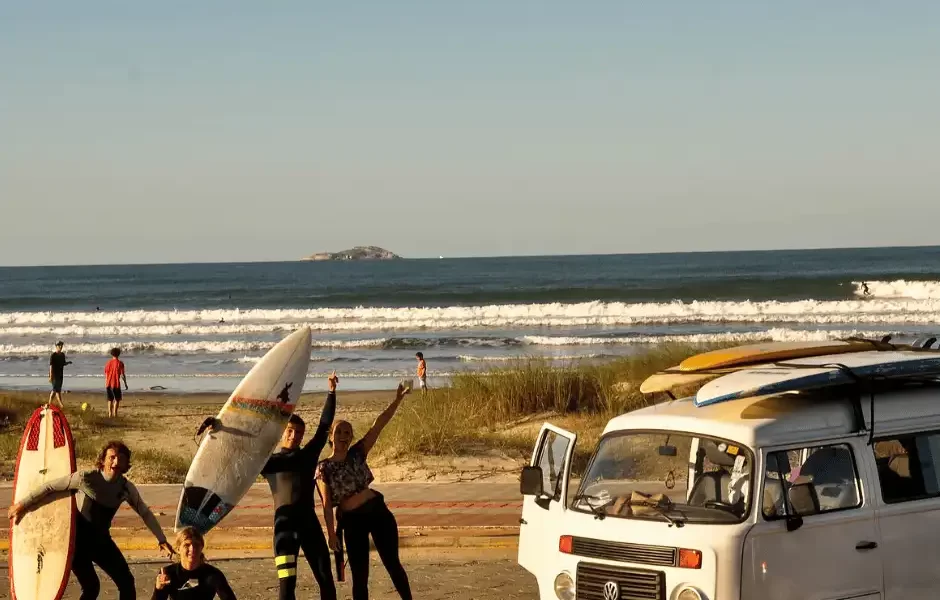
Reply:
x=818, y=372
x=769, y=352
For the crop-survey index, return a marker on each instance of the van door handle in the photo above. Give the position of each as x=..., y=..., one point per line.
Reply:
x=866, y=545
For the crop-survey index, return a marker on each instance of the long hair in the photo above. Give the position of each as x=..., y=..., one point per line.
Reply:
x=118, y=447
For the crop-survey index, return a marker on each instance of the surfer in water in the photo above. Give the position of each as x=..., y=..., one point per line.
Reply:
x=192, y=578
x=865, y=290
x=290, y=475
x=98, y=495
x=344, y=480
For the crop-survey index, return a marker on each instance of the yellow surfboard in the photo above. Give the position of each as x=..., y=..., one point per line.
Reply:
x=751, y=354
x=667, y=380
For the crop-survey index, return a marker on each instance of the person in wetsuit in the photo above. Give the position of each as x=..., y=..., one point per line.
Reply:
x=98, y=495
x=290, y=475
x=192, y=578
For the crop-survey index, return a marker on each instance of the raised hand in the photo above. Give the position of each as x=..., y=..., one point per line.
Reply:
x=333, y=380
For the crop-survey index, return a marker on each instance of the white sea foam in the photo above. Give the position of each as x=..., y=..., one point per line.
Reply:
x=183, y=323
x=243, y=347
x=472, y=359
x=776, y=335
x=900, y=288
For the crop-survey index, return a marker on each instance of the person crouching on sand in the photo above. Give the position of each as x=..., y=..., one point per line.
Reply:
x=192, y=578
x=344, y=480
x=98, y=495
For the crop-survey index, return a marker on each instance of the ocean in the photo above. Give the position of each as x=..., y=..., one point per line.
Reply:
x=200, y=327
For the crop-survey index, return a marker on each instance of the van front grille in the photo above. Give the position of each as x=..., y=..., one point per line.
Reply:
x=630, y=584
x=661, y=556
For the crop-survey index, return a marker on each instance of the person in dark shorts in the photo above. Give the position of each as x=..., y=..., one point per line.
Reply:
x=113, y=374
x=57, y=364
x=192, y=578
x=290, y=475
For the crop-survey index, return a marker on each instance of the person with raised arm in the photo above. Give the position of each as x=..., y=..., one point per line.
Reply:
x=344, y=480
x=290, y=475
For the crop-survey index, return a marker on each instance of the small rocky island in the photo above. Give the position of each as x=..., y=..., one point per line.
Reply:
x=357, y=253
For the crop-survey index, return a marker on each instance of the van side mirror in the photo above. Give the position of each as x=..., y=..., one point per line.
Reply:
x=530, y=482
x=803, y=501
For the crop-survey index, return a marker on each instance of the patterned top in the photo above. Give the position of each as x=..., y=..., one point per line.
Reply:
x=346, y=477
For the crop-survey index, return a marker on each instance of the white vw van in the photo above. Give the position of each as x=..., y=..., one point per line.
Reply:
x=790, y=496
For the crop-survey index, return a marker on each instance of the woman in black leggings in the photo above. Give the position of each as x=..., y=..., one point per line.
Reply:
x=344, y=480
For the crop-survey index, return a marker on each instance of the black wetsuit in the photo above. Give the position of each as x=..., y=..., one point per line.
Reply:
x=290, y=474
x=97, y=499
x=205, y=582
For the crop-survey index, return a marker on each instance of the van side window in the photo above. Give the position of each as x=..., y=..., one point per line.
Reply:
x=551, y=459
x=907, y=467
x=813, y=480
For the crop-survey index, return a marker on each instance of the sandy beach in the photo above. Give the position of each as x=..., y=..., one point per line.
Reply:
x=161, y=427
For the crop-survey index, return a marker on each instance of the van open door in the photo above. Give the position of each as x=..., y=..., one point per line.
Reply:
x=544, y=486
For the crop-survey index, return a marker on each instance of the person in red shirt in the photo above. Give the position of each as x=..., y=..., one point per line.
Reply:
x=113, y=374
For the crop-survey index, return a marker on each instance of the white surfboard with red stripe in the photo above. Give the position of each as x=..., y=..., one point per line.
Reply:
x=249, y=426
x=42, y=543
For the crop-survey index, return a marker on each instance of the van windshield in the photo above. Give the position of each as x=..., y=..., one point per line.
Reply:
x=668, y=476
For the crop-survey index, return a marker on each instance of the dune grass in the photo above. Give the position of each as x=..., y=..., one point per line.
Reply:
x=502, y=409
x=90, y=429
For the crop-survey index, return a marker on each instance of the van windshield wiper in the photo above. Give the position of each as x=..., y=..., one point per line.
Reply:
x=598, y=511
x=664, y=512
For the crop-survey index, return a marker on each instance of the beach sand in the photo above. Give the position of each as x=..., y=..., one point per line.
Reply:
x=164, y=424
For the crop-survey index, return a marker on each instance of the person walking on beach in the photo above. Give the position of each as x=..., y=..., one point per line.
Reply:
x=192, y=578
x=113, y=374
x=290, y=475
x=98, y=495
x=344, y=480
x=422, y=372
x=57, y=364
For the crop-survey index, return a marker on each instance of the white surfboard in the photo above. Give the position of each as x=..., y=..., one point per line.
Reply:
x=816, y=372
x=42, y=543
x=247, y=429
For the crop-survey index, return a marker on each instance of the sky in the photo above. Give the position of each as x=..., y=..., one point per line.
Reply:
x=246, y=131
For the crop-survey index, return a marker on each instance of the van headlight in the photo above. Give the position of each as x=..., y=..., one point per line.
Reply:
x=564, y=586
x=690, y=593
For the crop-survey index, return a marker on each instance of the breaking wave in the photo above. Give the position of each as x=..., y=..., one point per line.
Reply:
x=244, y=347
x=900, y=288
x=896, y=306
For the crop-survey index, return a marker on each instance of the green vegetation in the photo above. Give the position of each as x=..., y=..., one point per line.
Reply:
x=502, y=409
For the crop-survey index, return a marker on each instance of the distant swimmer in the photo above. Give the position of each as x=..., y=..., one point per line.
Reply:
x=865, y=289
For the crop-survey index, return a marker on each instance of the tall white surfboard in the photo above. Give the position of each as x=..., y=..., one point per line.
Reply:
x=246, y=431
x=42, y=543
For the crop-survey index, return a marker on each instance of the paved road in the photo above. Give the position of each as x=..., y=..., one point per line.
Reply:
x=414, y=505
x=435, y=575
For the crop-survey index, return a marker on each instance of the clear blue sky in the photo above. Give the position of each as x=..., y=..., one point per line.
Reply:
x=171, y=132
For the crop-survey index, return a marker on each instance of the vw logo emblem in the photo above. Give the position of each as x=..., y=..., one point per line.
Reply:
x=611, y=591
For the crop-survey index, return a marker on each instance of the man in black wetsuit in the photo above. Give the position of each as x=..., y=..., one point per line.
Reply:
x=290, y=474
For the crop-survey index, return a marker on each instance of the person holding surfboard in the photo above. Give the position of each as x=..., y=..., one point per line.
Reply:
x=98, y=495
x=290, y=475
x=344, y=480
x=192, y=578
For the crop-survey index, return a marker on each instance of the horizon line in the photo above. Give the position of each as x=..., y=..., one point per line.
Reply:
x=471, y=257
